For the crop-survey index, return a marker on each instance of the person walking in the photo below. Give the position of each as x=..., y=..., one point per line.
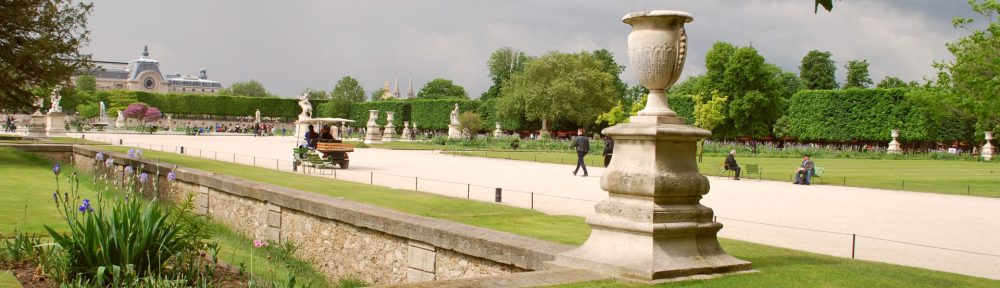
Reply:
x=731, y=164
x=582, y=146
x=804, y=174
x=609, y=147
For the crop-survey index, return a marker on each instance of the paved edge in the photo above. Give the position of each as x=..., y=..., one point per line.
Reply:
x=525, y=279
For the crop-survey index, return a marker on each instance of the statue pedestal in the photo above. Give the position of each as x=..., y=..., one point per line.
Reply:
x=373, y=134
x=497, y=133
x=652, y=227
x=36, y=129
x=987, y=153
x=389, y=134
x=407, y=134
x=55, y=124
x=894, y=147
x=119, y=123
x=454, y=132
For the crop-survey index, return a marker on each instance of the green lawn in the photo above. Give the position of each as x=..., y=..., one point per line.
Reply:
x=7, y=280
x=779, y=267
x=937, y=176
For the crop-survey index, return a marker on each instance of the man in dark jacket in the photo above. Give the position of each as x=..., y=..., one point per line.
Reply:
x=582, y=146
x=609, y=148
x=731, y=164
x=804, y=173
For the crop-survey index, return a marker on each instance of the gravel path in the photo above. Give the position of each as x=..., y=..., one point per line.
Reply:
x=955, y=222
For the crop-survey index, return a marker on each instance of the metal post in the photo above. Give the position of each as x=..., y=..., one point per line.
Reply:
x=182, y=149
x=276, y=165
x=854, y=241
x=468, y=190
x=215, y=155
x=902, y=184
x=120, y=141
x=334, y=174
x=416, y=181
x=532, y=200
x=234, y=157
x=968, y=190
x=499, y=195
x=372, y=179
x=254, y=160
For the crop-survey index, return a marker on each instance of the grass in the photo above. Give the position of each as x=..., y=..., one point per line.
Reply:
x=936, y=176
x=7, y=280
x=29, y=173
x=54, y=140
x=779, y=267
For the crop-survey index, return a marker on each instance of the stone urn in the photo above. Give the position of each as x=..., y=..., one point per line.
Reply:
x=987, y=153
x=373, y=134
x=389, y=134
x=656, y=49
x=498, y=132
x=894, y=145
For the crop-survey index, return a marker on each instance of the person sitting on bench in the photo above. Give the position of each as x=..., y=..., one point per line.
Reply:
x=731, y=164
x=805, y=172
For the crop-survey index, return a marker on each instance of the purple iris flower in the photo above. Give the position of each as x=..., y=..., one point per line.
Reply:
x=99, y=156
x=109, y=162
x=55, y=169
x=171, y=176
x=143, y=177
x=131, y=153
x=138, y=153
x=86, y=206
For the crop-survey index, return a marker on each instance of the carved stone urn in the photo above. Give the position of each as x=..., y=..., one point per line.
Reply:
x=987, y=153
x=374, y=132
x=389, y=134
x=894, y=145
x=652, y=227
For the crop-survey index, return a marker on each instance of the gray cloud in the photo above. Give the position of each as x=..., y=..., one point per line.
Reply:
x=291, y=45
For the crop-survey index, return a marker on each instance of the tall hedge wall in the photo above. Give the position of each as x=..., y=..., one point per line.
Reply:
x=359, y=112
x=862, y=115
x=208, y=104
x=436, y=114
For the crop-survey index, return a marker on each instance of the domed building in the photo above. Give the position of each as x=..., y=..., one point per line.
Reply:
x=144, y=74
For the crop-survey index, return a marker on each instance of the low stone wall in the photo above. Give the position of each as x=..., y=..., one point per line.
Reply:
x=343, y=238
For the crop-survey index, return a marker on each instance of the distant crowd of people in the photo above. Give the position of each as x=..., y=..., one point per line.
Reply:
x=258, y=130
x=9, y=125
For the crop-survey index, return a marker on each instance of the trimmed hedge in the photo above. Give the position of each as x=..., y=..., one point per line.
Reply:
x=207, y=103
x=359, y=112
x=862, y=115
x=436, y=114
x=683, y=105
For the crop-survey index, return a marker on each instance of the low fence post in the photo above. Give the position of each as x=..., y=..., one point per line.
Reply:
x=416, y=181
x=532, y=200
x=499, y=195
x=854, y=241
x=182, y=150
x=468, y=190
x=371, y=179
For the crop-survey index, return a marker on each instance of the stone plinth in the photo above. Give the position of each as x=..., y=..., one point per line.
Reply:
x=373, y=134
x=119, y=123
x=55, y=124
x=498, y=132
x=894, y=145
x=36, y=129
x=988, y=150
x=407, y=133
x=653, y=227
x=389, y=134
x=454, y=132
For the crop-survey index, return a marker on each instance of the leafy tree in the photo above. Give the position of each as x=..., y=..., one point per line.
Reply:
x=974, y=72
x=891, y=82
x=818, y=71
x=716, y=60
x=86, y=84
x=470, y=123
x=318, y=95
x=142, y=113
x=709, y=112
x=559, y=87
x=377, y=94
x=788, y=83
x=857, y=74
x=41, y=43
x=251, y=88
x=753, y=85
x=612, y=67
x=89, y=110
x=348, y=89
x=622, y=110
x=503, y=64
x=441, y=88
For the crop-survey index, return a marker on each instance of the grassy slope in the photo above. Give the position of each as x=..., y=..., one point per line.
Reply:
x=780, y=267
x=938, y=176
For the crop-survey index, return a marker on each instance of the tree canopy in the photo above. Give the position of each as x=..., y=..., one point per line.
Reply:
x=348, y=89
x=974, y=75
x=818, y=71
x=41, y=42
x=573, y=87
x=250, y=88
x=318, y=95
x=857, y=74
x=441, y=88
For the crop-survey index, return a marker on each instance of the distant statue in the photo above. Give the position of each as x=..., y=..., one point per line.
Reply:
x=39, y=103
x=55, y=97
x=121, y=116
x=307, y=108
x=256, y=116
x=454, y=115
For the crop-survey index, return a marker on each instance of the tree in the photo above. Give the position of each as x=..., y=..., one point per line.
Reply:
x=251, y=88
x=709, y=112
x=41, y=43
x=89, y=110
x=348, y=89
x=607, y=59
x=559, y=87
x=86, y=84
x=318, y=95
x=377, y=94
x=441, y=88
x=857, y=74
x=818, y=71
x=716, y=60
x=142, y=113
x=973, y=75
x=891, y=82
x=470, y=123
x=503, y=63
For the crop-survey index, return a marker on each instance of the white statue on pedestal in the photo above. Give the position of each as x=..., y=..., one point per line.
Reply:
x=453, y=131
x=307, y=109
x=55, y=97
x=454, y=115
x=256, y=116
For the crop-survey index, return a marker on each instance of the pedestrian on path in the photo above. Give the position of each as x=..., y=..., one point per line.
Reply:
x=582, y=146
x=731, y=164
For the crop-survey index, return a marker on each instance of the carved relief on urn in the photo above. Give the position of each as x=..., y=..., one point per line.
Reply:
x=657, y=47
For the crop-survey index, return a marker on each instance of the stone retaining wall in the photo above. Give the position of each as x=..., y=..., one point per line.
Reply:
x=343, y=238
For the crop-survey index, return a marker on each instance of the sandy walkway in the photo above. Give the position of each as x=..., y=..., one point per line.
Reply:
x=956, y=222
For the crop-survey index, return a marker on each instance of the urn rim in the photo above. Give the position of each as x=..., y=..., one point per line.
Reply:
x=630, y=17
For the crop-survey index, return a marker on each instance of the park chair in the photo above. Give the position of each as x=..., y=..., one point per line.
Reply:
x=299, y=155
x=753, y=169
x=723, y=171
x=819, y=173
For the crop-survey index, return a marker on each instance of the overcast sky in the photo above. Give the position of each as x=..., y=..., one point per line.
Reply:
x=292, y=45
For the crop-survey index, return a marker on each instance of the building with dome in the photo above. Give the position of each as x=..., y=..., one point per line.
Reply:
x=144, y=74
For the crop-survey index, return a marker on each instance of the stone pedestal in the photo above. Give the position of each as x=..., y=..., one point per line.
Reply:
x=987, y=153
x=36, y=129
x=55, y=124
x=894, y=145
x=373, y=134
x=454, y=132
x=498, y=132
x=389, y=134
x=119, y=123
x=407, y=133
